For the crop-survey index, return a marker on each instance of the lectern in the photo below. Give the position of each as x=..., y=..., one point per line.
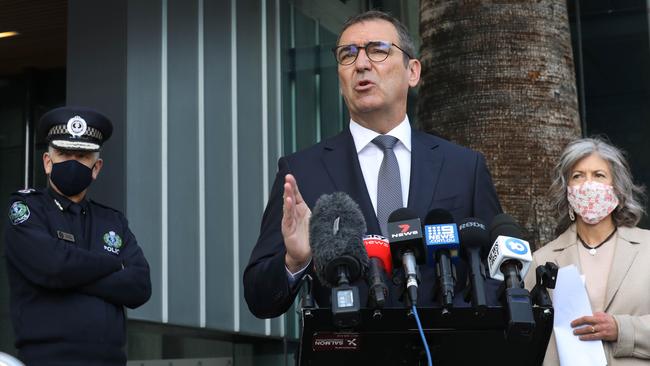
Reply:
x=391, y=337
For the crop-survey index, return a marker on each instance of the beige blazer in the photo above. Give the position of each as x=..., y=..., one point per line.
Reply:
x=627, y=295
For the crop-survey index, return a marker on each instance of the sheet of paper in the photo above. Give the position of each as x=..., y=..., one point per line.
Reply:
x=570, y=301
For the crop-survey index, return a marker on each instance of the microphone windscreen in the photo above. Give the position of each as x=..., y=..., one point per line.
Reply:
x=378, y=246
x=438, y=216
x=473, y=234
x=505, y=225
x=336, y=230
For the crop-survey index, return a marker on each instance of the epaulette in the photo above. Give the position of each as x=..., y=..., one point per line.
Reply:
x=27, y=192
x=104, y=206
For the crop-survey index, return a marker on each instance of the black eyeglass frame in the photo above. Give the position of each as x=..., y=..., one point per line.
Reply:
x=371, y=43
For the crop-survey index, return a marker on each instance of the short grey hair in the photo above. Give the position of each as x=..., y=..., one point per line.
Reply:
x=630, y=209
x=405, y=40
x=50, y=150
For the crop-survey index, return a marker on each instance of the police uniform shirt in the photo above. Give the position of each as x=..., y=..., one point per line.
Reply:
x=69, y=286
x=77, y=216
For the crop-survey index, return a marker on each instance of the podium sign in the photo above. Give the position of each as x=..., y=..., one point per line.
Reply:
x=458, y=338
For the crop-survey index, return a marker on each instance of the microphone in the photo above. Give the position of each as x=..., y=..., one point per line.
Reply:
x=510, y=257
x=473, y=238
x=336, y=228
x=380, y=265
x=509, y=260
x=441, y=238
x=406, y=247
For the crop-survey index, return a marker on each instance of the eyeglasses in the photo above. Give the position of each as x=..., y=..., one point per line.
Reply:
x=377, y=51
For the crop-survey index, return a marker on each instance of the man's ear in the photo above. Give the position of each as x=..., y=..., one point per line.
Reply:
x=415, y=67
x=97, y=168
x=47, y=163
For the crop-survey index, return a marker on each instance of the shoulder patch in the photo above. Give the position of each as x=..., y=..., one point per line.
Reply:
x=104, y=206
x=18, y=212
x=25, y=194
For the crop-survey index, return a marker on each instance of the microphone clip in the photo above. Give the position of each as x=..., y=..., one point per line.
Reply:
x=307, y=297
x=546, y=275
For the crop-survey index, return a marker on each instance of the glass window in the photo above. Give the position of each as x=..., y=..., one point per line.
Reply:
x=612, y=57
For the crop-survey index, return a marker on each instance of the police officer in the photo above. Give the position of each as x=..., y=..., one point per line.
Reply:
x=73, y=264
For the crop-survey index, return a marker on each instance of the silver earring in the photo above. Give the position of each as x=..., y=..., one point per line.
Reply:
x=571, y=215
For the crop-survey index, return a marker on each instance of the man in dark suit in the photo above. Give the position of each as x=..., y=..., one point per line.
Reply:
x=417, y=170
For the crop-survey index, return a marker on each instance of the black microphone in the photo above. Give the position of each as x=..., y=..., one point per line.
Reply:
x=509, y=260
x=441, y=237
x=474, y=237
x=336, y=229
x=406, y=247
x=510, y=257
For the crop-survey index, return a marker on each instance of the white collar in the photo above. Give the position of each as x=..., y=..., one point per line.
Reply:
x=363, y=136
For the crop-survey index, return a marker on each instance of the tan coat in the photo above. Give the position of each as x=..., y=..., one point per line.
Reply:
x=627, y=297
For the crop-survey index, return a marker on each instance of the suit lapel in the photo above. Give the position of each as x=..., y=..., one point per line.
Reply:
x=342, y=165
x=624, y=255
x=567, y=252
x=426, y=163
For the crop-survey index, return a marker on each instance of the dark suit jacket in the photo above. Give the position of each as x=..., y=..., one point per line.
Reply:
x=443, y=175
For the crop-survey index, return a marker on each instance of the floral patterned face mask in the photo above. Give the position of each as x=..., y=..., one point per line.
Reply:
x=593, y=201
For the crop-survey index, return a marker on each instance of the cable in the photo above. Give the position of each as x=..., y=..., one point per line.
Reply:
x=424, y=339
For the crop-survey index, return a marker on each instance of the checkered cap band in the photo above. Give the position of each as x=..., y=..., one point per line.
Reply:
x=63, y=130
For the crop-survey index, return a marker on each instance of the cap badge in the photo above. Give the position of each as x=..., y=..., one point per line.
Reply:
x=77, y=126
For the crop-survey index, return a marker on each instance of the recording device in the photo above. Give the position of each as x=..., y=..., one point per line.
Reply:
x=509, y=260
x=379, y=267
x=406, y=247
x=441, y=238
x=545, y=277
x=474, y=238
x=336, y=229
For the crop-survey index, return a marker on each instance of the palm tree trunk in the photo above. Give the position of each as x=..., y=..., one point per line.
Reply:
x=498, y=77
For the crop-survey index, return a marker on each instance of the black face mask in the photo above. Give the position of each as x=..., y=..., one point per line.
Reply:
x=71, y=177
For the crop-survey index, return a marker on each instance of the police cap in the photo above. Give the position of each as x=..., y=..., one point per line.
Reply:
x=74, y=128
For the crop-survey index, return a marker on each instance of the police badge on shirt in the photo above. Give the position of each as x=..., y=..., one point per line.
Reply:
x=18, y=212
x=112, y=242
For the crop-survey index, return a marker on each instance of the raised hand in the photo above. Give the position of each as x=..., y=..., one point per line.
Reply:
x=295, y=226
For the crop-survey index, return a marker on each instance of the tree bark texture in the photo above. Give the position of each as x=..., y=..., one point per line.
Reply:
x=498, y=77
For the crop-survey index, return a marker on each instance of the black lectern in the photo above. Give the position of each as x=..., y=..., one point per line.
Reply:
x=458, y=338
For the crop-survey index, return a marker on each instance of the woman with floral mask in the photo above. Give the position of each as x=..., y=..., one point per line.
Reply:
x=599, y=207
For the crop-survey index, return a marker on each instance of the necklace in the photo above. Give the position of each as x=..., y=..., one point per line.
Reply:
x=592, y=250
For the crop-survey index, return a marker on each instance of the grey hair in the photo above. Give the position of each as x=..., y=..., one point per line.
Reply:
x=50, y=150
x=405, y=40
x=630, y=208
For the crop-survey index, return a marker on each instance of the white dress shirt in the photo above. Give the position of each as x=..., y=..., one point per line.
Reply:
x=370, y=158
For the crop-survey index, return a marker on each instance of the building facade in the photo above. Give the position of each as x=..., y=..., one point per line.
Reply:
x=205, y=97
